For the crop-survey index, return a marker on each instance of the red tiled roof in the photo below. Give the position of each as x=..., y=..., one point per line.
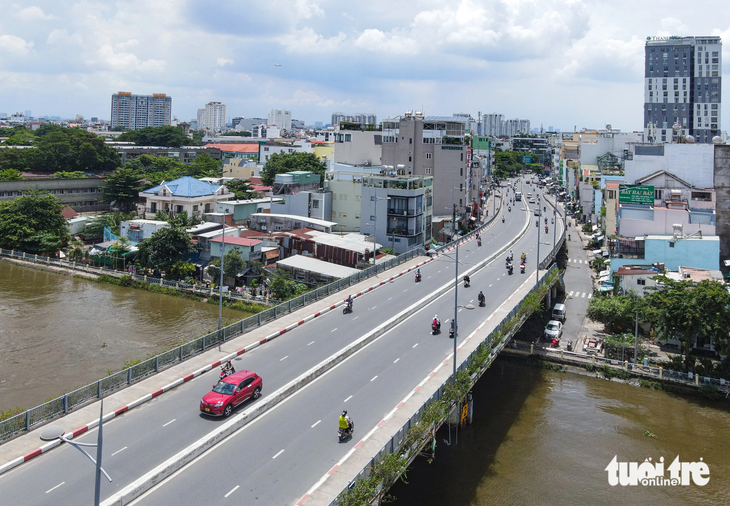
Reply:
x=238, y=241
x=68, y=213
x=250, y=234
x=260, y=188
x=236, y=148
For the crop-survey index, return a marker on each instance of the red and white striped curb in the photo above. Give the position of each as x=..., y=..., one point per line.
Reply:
x=401, y=403
x=91, y=425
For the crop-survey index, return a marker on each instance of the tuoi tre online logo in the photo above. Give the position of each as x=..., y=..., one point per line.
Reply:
x=652, y=474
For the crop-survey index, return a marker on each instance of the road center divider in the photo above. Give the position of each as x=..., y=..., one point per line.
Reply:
x=176, y=462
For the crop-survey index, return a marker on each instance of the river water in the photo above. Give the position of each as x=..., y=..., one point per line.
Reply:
x=545, y=438
x=58, y=333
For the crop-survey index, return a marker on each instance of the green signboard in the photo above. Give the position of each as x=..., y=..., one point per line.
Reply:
x=636, y=194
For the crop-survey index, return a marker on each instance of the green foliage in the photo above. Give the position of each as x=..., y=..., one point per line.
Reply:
x=94, y=228
x=280, y=163
x=649, y=433
x=621, y=347
x=33, y=223
x=618, y=312
x=165, y=248
x=281, y=286
x=651, y=385
x=182, y=269
x=10, y=175
x=688, y=311
x=590, y=367
x=241, y=189
x=507, y=163
x=156, y=169
x=599, y=264
x=710, y=391
x=203, y=166
x=587, y=228
x=167, y=136
x=122, y=187
x=233, y=263
x=75, y=174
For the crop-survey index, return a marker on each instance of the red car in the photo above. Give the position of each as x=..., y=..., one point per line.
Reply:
x=230, y=392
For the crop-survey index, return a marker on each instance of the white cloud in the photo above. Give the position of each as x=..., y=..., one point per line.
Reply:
x=305, y=9
x=127, y=61
x=224, y=61
x=373, y=39
x=60, y=36
x=15, y=45
x=33, y=13
x=603, y=60
x=672, y=26
x=126, y=45
x=307, y=40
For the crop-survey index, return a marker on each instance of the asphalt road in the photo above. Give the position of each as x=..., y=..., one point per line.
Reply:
x=369, y=384
x=578, y=290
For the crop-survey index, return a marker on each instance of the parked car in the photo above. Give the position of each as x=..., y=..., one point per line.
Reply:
x=558, y=312
x=230, y=392
x=553, y=330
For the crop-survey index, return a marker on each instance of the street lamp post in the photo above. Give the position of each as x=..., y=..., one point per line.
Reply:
x=375, y=220
x=220, y=287
x=53, y=432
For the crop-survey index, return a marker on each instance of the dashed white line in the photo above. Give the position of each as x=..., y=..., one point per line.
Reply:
x=414, y=345
x=405, y=290
x=373, y=307
x=316, y=423
x=374, y=378
x=355, y=318
x=396, y=360
x=570, y=294
x=282, y=359
x=168, y=423
x=54, y=488
x=310, y=344
x=489, y=286
x=333, y=330
x=390, y=298
x=590, y=295
x=233, y=489
x=119, y=451
x=347, y=399
x=282, y=451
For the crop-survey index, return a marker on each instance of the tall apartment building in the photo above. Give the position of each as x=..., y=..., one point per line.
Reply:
x=280, y=118
x=140, y=111
x=419, y=145
x=682, y=87
x=493, y=124
x=365, y=119
x=213, y=116
x=496, y=126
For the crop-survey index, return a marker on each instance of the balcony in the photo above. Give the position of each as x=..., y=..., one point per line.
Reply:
x=405, y=212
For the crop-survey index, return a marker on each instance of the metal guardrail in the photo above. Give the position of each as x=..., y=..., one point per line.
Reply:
x=61, y=405
x=561, y=240
x=394, y=443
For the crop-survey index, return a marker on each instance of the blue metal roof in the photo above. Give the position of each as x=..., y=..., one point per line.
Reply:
x=451, y=119
x=186, y=186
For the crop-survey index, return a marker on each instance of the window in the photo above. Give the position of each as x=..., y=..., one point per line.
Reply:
x=343, y=215
x=315, y=204
x=410, y=140
x=671, y=244
x=357, y=216
x=658, y=194
x=429, y=156
x=195, y=208
x=641, y=282
x=372, y=218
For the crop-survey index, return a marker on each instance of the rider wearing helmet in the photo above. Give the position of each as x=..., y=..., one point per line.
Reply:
x=345, y=421
x=348, y=300
x=480, y=297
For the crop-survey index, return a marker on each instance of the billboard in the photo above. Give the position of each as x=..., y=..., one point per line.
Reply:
x=636, y=194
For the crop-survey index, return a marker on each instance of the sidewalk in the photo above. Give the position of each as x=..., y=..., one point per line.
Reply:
x=27, y=445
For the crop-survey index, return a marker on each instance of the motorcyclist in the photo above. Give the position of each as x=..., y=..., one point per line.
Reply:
x=467, y=280
x=228, y=368
x=451, y=330
x=545, y=220
x=480, y=297
x=523, y=257
x=502, y=219
x=345, y=422
x=348, y=301
x=436, y=322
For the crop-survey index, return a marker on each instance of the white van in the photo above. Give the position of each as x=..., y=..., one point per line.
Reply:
x=558, y=312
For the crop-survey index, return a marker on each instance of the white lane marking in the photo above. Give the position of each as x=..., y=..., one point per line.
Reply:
x=333, y=330
x=282, y=451
x=429, y=276
x=54, y=488
x=405, y=290
x=316, y=423
x=282, y=359
x=590, y=295
x=347, y=399
x=168, y=423
x=373, y=307
x=310, y=344
x=471, y=301
x=374, y=378
x=118, y=451
x=414, y=345
x=396, y=360
x=583, y=295
x=570, y=294
x=233, y=489
x=390, y=298
x=355, y=318
x=490, y=286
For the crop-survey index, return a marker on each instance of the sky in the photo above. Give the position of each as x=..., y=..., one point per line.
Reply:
x=561, y=63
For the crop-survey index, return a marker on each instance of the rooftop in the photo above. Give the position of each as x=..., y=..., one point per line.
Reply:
x=185, y=186
x=238, y=241
x=306, y=263
x=303, y=219
x=236, y=148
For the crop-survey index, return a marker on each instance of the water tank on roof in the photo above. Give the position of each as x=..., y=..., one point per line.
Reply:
x=717, y=139
x=690, y=139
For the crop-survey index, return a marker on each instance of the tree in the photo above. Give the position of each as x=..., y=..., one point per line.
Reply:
x=10, y=175
x=165, y=248
x=233, y=264
x=280, y=163
x=123, y=187
x=689, y=312
x=183, y=269
x=168, y=136
x=203, y=166
x=94, y=229
x=618, y=312
x=33, y=223
x=241, y=189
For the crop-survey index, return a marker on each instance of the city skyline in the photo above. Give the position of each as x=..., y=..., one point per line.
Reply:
x=524, y=59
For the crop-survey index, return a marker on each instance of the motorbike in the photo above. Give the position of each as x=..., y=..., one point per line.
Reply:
x=555, y=343
x=418, y=277
x=523, y=258
x=509, y=209
x=479, y=242
x=482, y=302
x=346, y=433
x=522, y=268
x=510, y=269
x=451, y=333
x=570, y=346
x=347, y=309
x=537, y=223
x=226, y=372
x=502, y=219
x=435, y=328
x=546, y=229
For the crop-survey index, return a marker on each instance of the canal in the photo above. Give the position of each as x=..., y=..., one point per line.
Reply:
x=545, y=438
x=58, y=333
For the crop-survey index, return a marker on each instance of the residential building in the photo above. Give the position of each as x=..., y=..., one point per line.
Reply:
x=286, y=222
x=295, y=181
x=184, y=154
x=284, y=146
x=310, y=203
x=682, y=88
x=398, y=210
x=324, y=151
x=237, y=150
x=435, y=146
x=356, y=147
x=721, y=184
x=365, y=120
x=305, y=269
x=241, y=123
x=493, y=125
x=610, y=202
x=240, y=168
x=496, y=126
x=350, y=249
x=698, y=251
x=693, y=163
x=241, y=210
x=139, y=111
x=639, y=279
x=280, y=118
x=185, y=194
x=346, y=189
x=214, y=117
x=138, y=230
x=204, y=240
x=265, y=131
x=250, y=248
x=82, y=195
